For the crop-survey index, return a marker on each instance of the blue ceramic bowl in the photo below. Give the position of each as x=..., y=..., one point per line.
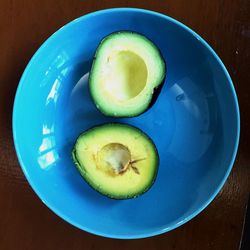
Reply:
x=194, y=123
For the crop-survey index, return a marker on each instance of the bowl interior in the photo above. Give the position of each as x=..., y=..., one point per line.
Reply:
x=194, y=124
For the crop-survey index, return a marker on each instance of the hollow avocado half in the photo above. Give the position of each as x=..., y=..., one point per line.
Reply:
x=125, y=73
x=117, y=160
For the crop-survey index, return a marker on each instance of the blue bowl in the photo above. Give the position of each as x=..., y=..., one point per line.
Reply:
x=194, y=123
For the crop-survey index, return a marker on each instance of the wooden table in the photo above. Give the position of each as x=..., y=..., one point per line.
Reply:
x=25, y=222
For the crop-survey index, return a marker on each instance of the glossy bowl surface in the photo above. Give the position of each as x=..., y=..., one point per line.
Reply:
x=194, y=124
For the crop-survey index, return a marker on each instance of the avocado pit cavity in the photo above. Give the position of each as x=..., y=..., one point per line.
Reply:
x=125, y=75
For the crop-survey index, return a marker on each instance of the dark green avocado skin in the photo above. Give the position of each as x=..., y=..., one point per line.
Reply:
x=82, y=173
x=157, y=90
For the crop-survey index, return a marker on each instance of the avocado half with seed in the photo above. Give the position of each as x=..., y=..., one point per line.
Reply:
x=117, y=160
x=127, y=70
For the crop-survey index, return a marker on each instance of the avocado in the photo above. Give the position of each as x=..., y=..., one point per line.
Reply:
x=126, y=70
x=117, y=160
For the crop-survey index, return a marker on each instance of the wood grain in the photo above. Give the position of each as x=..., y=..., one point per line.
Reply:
x=25, y=222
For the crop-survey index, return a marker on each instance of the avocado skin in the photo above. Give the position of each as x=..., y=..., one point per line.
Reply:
x=77, y=164
x=157, y=90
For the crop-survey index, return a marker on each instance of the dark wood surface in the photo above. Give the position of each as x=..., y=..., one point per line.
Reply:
x=25, y=222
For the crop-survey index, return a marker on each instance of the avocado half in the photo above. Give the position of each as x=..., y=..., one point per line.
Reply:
x=126, y=70
x=117, y=160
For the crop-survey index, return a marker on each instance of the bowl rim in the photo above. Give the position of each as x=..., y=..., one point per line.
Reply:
x=59, y=212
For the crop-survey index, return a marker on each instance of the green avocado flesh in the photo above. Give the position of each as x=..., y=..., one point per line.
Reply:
x=117, y=160
x=126, y=70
